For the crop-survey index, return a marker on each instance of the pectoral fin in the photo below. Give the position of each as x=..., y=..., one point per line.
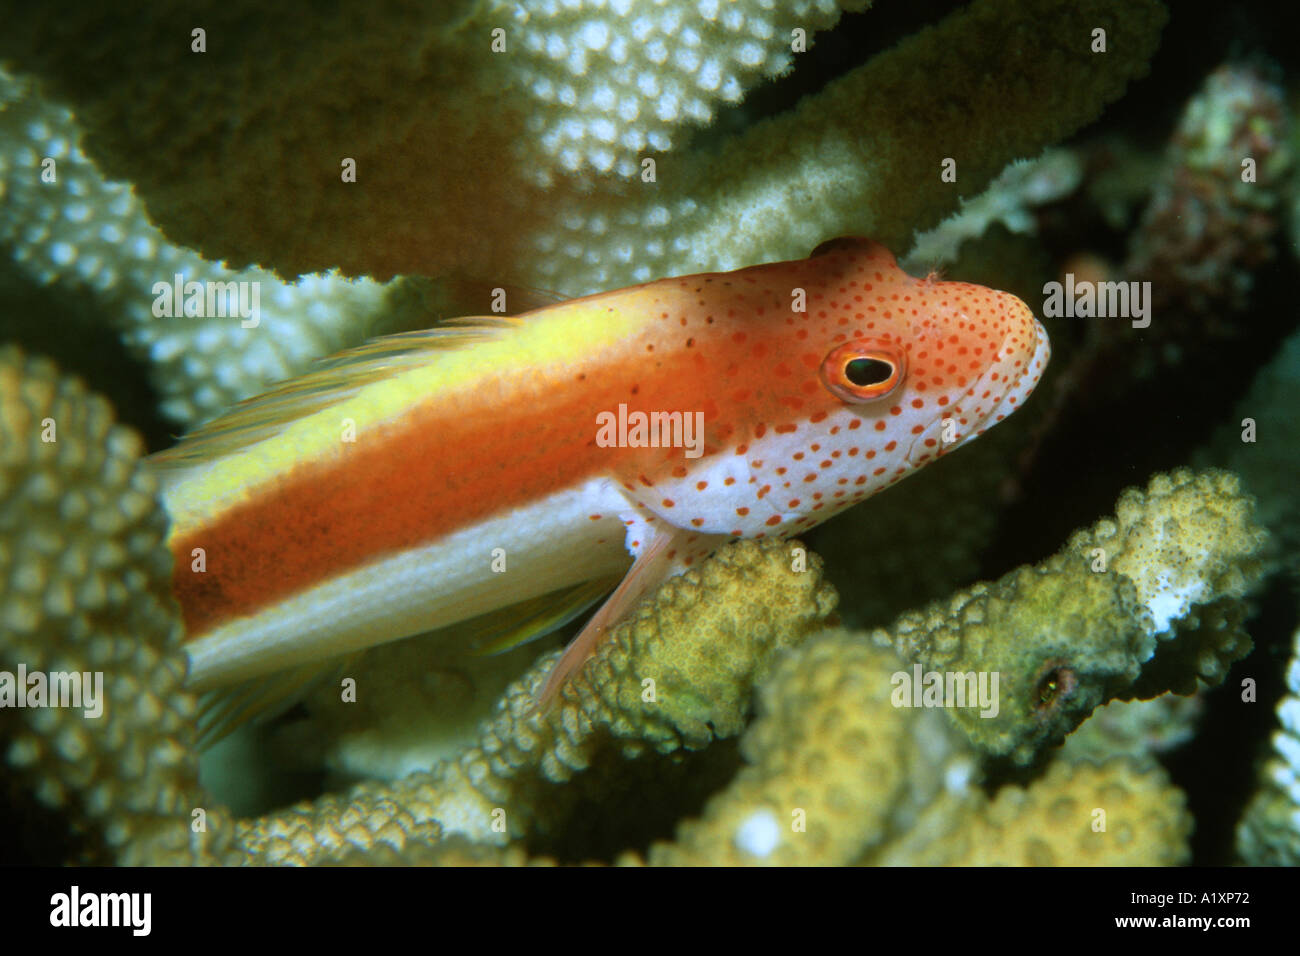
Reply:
x=668, y=553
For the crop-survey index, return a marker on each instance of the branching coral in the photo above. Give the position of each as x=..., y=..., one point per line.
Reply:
x=854, y=777
x=1080, y=628
x=679, y=675
x=66, y=223
x=85, y=589
x=456, y=188
x=832, y=766
x=835, y=771
x=1119, y=813
x=1191, y=547
x=1269, y=833
x=529, y=172
x=838, y=774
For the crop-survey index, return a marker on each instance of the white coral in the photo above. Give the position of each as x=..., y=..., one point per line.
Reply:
x=610, y=78
x=1269, y=833
x=89, y=232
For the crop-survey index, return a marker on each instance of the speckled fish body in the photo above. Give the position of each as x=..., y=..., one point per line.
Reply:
x=379, y=497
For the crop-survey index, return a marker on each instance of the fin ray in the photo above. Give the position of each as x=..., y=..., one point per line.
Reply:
x=661, y=559
x=223, y=711
x=507, y=628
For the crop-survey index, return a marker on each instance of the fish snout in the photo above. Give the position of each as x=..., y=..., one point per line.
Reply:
x=1024, y=357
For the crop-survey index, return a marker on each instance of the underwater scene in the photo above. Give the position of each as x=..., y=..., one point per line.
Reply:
x=650, y=432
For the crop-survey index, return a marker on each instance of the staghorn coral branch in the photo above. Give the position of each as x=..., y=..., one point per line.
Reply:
x=830, y=741
x=702, y=642
x=447, y=184
x=1135, y=606
x=84, y=587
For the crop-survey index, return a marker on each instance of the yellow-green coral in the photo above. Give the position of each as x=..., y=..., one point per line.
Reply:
x=837, y=773
x=833, y=770
x=1192, y=548
x=85, y=587
x=370, y=818
x=446, y=183
x=571, y=793
x=1079, y=629
x=678, y=675
x=1120, y=813
x=832, y=765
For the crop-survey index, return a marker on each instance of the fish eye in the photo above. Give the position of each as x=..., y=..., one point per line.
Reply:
x=863, y=372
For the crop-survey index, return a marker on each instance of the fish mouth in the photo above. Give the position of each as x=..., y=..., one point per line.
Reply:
x=1032, y=356
x=1027, y=378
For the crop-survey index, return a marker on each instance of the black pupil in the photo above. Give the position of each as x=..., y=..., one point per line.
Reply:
x=867, y=371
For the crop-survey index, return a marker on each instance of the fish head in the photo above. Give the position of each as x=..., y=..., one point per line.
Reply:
x=829, y=379
x=920, y=355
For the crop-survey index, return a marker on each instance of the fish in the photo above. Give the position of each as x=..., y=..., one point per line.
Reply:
x=493, y=464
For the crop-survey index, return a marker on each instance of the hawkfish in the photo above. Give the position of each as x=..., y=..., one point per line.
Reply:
x=434, y=477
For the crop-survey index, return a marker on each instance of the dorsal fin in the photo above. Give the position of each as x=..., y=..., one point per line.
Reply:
x=334, y=379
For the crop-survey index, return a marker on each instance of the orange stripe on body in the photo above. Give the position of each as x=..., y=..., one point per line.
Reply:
x=451, y=464
x=725, y=344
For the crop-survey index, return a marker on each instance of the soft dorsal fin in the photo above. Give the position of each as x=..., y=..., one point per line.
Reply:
x=334, y=379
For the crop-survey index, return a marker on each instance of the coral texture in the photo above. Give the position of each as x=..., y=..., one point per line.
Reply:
x=1119, y=813
x=831, y=752
x=747, y=714
x=84, y=589
x=1083, y=626
x=850, y=159
x=1269, y=833
x=831, y=766
x=81, y=230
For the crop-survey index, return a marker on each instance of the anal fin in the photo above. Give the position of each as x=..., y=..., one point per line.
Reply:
x=226, y=709
x=507, y=628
